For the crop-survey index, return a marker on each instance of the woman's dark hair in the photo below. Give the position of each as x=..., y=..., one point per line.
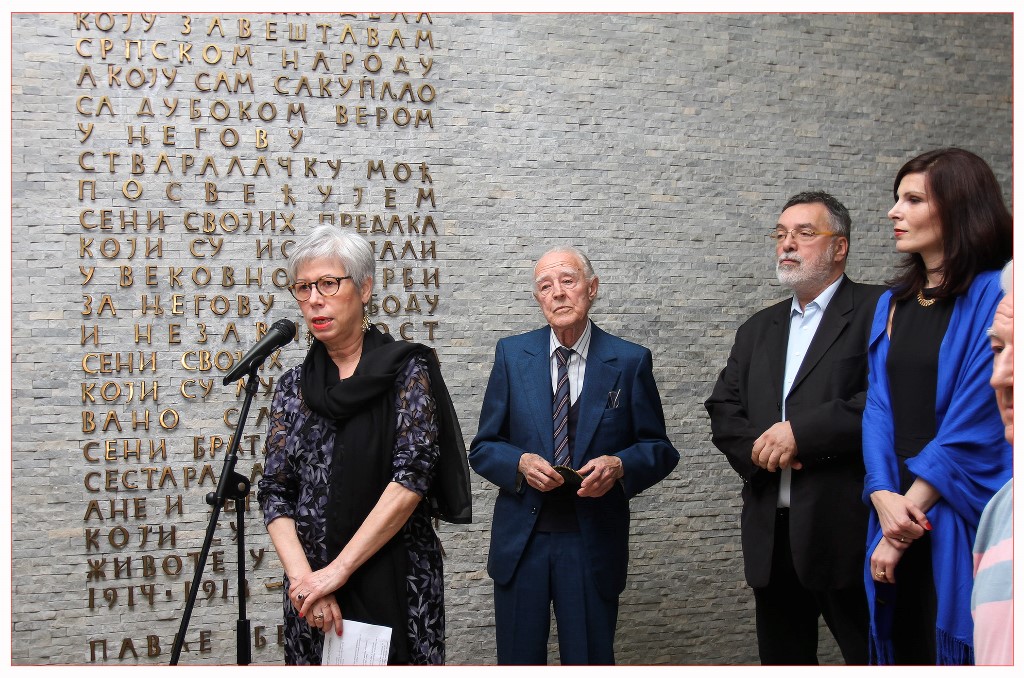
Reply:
x=977, y=229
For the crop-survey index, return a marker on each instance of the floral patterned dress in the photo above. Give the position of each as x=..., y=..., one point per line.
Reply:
x=295, y=482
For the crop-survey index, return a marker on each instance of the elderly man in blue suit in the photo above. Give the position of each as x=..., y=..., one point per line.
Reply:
x=570, y=429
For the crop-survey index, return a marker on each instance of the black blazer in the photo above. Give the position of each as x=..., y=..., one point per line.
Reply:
x=828, y=520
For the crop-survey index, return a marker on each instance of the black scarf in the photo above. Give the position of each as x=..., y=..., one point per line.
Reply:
x=363, y=407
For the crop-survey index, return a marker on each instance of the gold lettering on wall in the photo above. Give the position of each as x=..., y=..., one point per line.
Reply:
x=207, y=146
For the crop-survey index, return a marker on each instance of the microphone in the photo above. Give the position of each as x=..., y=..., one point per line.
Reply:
x=279, y=334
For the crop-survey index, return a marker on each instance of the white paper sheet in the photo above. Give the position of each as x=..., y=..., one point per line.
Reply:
x=359, y=644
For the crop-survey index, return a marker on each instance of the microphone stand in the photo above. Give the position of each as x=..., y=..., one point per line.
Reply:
x=231, y=486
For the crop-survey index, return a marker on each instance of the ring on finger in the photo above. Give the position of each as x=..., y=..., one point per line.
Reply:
x=301, y=597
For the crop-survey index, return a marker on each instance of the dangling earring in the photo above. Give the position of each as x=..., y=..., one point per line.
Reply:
x=309, y=338
x=366, y=321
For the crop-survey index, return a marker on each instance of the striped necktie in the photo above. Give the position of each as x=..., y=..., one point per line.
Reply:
x=560, y=407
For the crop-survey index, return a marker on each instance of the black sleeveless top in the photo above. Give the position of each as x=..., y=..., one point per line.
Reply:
x=912, y=367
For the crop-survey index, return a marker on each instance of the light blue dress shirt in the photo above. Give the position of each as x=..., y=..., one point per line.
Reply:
x=803, y=323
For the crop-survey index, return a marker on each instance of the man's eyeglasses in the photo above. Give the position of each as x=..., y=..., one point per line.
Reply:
x=803, y=235
x=326, y=285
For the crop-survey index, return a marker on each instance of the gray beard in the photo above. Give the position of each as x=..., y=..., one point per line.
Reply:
x=810, y=274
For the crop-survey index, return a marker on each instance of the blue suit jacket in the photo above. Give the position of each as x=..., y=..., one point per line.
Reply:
x=516, y=418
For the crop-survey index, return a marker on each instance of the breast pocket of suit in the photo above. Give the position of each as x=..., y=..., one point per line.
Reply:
x=614, y=427
x=849, y=376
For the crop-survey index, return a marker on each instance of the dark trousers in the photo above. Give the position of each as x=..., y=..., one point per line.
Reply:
x=554, y=570
x=787, y=613
x=913, y=631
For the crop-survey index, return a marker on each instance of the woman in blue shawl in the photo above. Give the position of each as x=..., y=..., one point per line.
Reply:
x=933, y=439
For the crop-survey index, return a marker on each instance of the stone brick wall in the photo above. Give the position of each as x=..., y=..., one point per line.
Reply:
x=663, y=145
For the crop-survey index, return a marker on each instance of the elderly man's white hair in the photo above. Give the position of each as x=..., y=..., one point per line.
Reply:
x=1006, y=278
x=588, y=268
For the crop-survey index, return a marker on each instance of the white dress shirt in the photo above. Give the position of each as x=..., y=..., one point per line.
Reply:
x=577, y=365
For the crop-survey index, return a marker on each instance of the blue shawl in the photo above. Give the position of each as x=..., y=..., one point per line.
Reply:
x=967, y=462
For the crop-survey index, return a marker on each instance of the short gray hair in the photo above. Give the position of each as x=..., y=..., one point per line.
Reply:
x=838, y=215
x=327, y=242
x=588, y=268
x=1006, y=278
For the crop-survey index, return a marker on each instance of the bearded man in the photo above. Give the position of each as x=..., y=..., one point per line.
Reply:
x=786, y=411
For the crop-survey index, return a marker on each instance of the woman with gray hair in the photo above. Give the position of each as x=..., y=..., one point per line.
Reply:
x=362, y=449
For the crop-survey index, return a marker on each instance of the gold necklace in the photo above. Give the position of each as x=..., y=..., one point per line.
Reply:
x=924, y=302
